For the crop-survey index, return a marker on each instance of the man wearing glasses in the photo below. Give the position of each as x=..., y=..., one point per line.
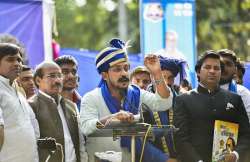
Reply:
x=57, y=116
x=115, y=99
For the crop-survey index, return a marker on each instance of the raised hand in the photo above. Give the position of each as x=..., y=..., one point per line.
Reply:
x=152, y=62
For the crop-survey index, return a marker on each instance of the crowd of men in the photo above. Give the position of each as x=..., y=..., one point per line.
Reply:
x=43, y=118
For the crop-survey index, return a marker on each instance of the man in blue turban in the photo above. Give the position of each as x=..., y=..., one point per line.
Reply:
x=115, y=99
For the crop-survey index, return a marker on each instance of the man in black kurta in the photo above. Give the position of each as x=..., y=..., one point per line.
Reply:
x=196, y=112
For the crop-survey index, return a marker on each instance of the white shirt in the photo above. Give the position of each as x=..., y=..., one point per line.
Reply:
x=70, y=155
x=19, y=134
x=245, y=96
x=93, y=107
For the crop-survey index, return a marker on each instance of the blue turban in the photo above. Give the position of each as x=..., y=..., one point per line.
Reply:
x=115, y=53
x=175, y=66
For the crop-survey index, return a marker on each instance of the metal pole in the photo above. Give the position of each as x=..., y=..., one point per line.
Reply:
x=132, y=148
x=122, y=20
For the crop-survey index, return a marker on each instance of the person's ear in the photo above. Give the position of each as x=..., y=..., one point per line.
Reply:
x=38, y=81
x=18, y=81
x=104, y=75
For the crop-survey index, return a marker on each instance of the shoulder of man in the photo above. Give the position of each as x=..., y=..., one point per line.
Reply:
x=187, y=94
x=231, y=96
x=242, y=89
x=33, y=98
x=229, y=93
x=33, y=102
x=70, y=105
x=95, y=93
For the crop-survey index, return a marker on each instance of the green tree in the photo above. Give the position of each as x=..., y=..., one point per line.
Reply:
x=220, y=24
x=223, y=24
x=91, y=26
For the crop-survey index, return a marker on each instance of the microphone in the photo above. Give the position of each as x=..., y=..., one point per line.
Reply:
x=48, y=143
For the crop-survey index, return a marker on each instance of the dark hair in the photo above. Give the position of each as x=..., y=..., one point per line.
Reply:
x=208, y=54
x=138, y=70
x=233, y=142
x=185, y=83
x=228, y=53
x=25, y=68
x=8, y=49
x=66, y=59
x=240, y=67
x=8, y=38
x=38, y=73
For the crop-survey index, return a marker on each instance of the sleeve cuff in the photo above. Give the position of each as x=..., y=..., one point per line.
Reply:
x=89, y=128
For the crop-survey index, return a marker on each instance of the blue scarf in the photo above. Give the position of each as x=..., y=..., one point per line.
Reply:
x=131, y=104
x=232, y=86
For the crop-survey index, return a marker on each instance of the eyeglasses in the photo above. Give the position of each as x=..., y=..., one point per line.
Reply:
x=54, y=76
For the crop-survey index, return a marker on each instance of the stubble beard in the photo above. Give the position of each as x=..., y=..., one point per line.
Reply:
x=225, y=81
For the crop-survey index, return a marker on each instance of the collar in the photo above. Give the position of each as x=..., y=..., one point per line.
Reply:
x=49, y=97
x=5, y=80
x=202, y=89
x=224, y=86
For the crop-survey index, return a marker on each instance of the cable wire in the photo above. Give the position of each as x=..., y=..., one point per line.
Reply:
x=52, y=152
x=144, y=141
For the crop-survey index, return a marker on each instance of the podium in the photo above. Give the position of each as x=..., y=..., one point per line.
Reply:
x=133, y=130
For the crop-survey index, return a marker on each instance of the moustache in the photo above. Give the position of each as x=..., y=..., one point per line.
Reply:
x=71, y=81
x=57, y=85
x=123, y=79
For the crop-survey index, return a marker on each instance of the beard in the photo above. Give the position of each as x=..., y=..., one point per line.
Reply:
x=225, y=80
x=68, y=88
x=120, y=89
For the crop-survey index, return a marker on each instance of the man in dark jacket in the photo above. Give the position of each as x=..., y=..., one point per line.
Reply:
x=56, y=115
x=196, y=111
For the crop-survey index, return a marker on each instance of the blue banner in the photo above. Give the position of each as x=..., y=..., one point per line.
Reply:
x=24, y=20
x=168, y=29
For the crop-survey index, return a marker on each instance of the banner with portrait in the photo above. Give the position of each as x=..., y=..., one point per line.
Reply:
x=168, y=28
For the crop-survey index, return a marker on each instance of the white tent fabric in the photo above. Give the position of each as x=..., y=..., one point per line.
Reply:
x=48, y=22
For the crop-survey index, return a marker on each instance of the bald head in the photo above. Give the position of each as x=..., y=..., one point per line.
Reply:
x=39, y=71
x=49, y=79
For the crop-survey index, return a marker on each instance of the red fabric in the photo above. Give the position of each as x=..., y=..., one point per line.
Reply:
x=55, y=49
